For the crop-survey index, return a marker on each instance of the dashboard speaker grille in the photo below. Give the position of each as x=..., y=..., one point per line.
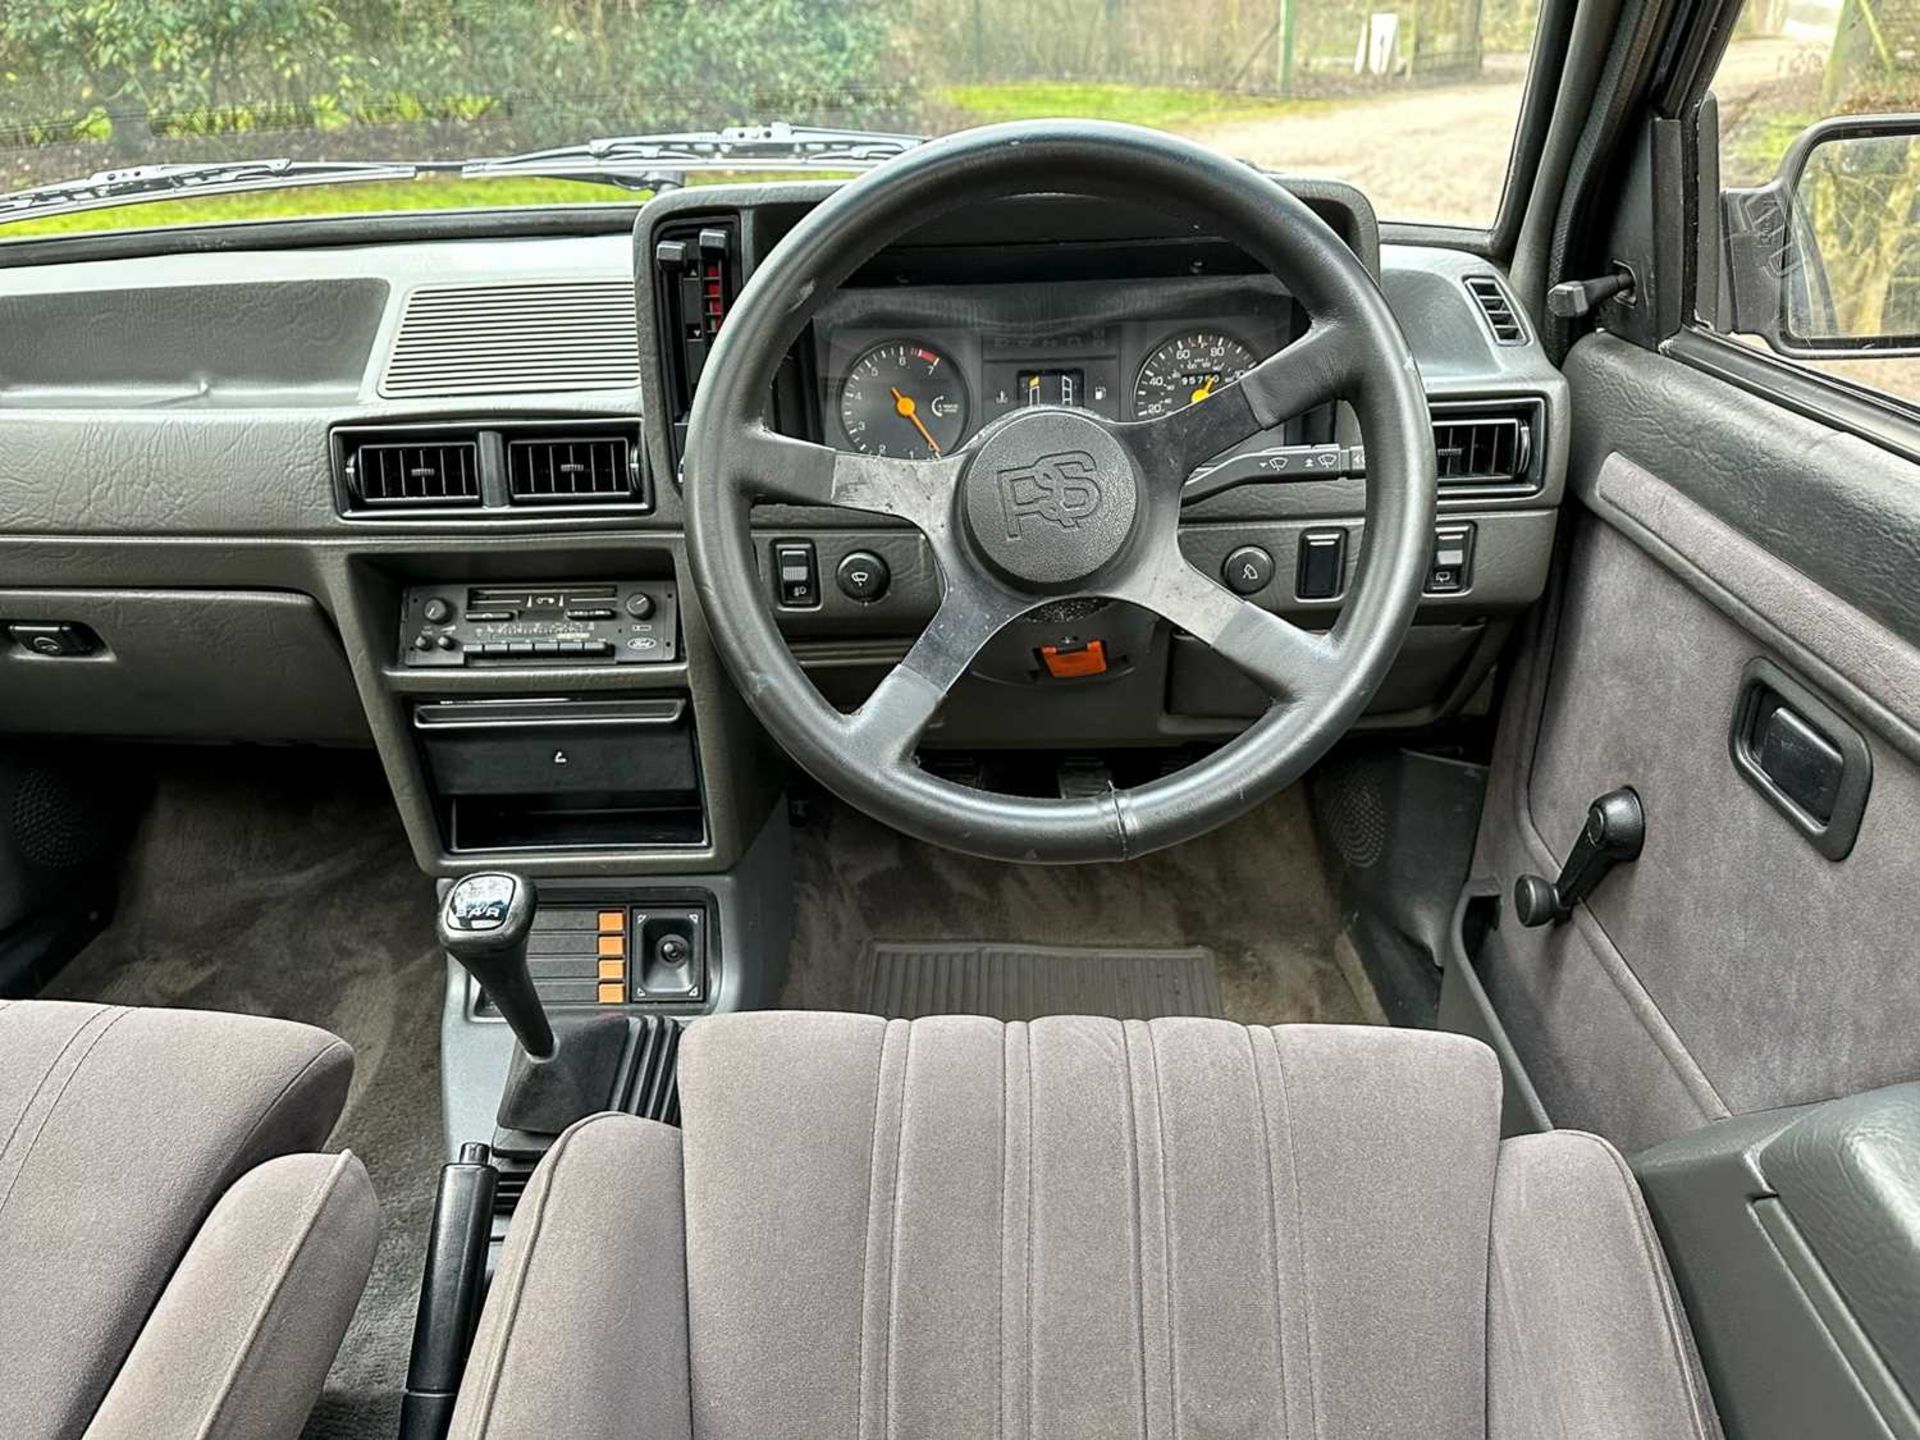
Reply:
x=515, y=339
x=577, y=469
x=435, y=473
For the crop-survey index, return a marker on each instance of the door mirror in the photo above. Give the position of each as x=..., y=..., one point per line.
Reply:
x=1823, y=261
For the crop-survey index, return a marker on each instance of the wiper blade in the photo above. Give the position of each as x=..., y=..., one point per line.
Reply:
x=218, y=177
x=649, y=162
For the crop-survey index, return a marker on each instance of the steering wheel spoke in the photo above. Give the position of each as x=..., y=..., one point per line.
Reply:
x=1320, y=366
x=1289, y=662
x=890, y=723
x=780, y=468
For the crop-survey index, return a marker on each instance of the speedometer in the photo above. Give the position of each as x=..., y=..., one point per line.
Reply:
x=903, y=398
x=1185, y=369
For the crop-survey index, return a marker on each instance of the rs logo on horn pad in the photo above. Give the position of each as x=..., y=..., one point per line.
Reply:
x=1060, y=489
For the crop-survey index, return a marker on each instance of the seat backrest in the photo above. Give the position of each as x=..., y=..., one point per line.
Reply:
x=1083, y=1227
x=119, y=1131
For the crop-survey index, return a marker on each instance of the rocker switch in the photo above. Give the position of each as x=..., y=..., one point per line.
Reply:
x=796, y=574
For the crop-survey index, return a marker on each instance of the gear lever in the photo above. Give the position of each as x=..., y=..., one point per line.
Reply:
x=484, y=924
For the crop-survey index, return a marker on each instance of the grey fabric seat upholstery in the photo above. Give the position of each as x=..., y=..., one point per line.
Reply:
x=174, y=1258
x=1080, y=1228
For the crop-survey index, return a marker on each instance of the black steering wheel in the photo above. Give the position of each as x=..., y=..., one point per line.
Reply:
x=1048, y=504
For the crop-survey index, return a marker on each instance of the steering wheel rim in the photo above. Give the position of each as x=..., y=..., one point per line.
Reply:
x=1353, y=350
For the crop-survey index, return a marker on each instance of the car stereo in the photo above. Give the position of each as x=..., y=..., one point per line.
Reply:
x=624, y=622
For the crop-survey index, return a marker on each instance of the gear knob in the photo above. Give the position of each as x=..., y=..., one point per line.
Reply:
x=484, y=923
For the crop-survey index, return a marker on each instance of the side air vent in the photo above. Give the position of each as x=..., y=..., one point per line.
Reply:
x=571, y=470
x=1487, y=443
x=515, y=339
x=383, y=473
x=1502, y=317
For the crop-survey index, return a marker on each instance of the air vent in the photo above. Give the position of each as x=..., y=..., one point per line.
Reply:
x=571, y=470
x=1501, y=316
x=1482, y=449
x=392, y=473
x=515, y=339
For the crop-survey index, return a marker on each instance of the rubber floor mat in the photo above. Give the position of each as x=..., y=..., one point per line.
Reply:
x=906, y=980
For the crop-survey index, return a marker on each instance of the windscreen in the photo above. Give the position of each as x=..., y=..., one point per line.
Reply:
x=1414, y=103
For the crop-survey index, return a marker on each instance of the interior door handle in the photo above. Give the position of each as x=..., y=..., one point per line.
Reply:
x=1809, y=763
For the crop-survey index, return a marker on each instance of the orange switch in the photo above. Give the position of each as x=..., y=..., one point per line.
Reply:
x=613, y=970
x=613, y=946
x=1074, y=661
x=612, y=992
x=613, y=922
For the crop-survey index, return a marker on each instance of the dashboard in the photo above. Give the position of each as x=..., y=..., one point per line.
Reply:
x=424, y=495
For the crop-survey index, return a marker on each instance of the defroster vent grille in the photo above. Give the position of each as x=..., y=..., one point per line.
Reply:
x=1502, y=318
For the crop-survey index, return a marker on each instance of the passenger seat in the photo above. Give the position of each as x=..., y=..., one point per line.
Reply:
x=175, y=1256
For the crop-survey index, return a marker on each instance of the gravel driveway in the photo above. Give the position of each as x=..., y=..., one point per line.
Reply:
x=1441, y=153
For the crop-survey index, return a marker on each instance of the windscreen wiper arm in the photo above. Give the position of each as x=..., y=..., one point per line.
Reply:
x=214, y=177
x=652, y=162
x=635, y=162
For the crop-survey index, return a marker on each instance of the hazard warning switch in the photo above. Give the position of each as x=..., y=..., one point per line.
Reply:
x=1070, y=661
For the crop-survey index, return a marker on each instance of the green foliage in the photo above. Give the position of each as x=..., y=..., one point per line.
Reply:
x=172, y=78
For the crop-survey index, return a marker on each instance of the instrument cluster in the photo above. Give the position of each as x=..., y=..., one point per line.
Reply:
x=916, y=387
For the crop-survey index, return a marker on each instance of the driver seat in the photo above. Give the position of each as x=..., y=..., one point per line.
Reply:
x=1077, y=1227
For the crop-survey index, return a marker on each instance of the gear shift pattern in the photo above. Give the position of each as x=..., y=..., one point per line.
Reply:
x=484, y=924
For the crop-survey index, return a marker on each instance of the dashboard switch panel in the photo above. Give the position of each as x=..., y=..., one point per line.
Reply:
x=611, y=622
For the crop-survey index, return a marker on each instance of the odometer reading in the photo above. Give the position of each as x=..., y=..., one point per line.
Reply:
x=1186, y=369
x=903, y=399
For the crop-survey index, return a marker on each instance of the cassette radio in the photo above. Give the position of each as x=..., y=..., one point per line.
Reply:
x=624, y=622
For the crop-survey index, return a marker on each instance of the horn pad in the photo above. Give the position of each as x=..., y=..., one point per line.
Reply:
x=1051, y=498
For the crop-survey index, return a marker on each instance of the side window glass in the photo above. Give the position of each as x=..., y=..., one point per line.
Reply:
x=1820, y=174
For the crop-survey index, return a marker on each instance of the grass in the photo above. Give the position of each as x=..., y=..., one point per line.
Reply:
x=429, y=193
x=1164, y=107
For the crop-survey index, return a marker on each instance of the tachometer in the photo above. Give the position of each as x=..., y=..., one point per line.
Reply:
x=905, y=399
x=1186, y=369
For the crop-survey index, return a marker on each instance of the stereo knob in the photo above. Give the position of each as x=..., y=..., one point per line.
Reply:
x=640, y=605
x=438, y=611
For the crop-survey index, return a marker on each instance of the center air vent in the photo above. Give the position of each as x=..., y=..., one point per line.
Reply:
x=1489, y=443
x=1502, y=318
x=394, y=472
x=489, y=468
x=570, y=470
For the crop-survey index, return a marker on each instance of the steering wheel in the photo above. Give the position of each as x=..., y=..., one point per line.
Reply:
x=1049, y=503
